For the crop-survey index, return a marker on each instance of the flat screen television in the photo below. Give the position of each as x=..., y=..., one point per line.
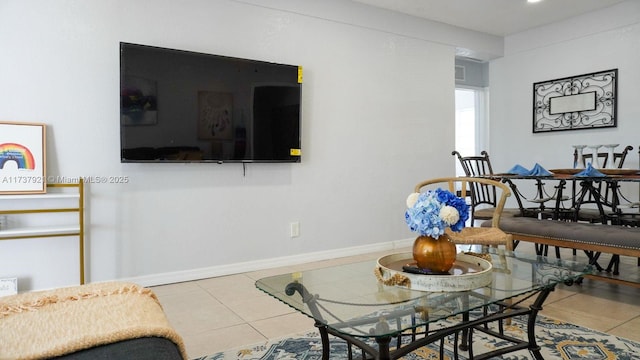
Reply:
x=184, y=106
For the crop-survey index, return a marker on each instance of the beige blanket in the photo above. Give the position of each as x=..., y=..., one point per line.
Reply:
x=52, y=323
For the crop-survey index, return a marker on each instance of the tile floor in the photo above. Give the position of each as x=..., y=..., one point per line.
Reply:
x=221, y=313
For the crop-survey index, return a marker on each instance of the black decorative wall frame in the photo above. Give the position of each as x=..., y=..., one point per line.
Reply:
x=579, y=102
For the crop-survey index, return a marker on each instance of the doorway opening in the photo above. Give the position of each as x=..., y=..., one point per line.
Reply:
x=471, y=128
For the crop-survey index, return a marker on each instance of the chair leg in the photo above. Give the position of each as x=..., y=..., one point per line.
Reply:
x=510, y=245
x=614, y=264
x=593, y=259
x=542, y=250
x=503, y=260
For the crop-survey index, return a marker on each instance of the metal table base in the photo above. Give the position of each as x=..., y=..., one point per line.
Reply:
x=464, y=330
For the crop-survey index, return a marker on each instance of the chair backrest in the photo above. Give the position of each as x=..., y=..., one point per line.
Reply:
x=475, y=165
x=603, y=157
x=607, y=193
x=481, y=194
x=462, y=184
x=619, y=158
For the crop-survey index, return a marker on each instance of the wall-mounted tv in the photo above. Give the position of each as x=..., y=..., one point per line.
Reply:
x=183, y=106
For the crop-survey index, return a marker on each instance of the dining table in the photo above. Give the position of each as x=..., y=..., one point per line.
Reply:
x=561, y=194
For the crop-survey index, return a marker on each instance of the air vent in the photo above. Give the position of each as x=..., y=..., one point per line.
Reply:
x=459, y=73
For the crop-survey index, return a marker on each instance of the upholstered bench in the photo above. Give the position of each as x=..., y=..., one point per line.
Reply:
x=611, y=239
x=94, y=321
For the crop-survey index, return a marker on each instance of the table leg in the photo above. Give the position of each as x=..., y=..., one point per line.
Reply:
x=310, y=300
x=383, y=352
x=534, y=348
x=324, y=337
x=383, y=348
x=466, y=333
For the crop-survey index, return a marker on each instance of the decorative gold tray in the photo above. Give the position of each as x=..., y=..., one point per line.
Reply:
x=468, y=272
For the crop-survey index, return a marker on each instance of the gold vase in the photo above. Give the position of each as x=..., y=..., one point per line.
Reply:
x=437, y=255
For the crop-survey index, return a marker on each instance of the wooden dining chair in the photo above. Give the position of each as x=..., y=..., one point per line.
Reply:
x=484, y=236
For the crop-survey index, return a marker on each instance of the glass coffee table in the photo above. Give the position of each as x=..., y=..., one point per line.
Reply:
x=349, y=302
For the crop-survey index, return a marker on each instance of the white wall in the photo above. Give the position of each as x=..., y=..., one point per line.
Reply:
x=594, y=42
x=376, y=111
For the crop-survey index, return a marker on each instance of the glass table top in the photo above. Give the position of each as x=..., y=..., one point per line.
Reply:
x=349, y=298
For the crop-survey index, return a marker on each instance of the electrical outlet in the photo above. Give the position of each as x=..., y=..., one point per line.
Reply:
x=8, y=286
x=295, y=229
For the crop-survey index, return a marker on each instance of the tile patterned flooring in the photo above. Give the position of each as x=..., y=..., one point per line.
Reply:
x=221, y=313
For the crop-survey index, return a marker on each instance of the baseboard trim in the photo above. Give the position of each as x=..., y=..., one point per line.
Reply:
x=237, y=268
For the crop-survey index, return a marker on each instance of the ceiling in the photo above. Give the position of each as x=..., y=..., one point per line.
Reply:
x=496, y=17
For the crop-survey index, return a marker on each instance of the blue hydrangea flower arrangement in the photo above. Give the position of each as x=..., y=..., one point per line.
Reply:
x=429, y=213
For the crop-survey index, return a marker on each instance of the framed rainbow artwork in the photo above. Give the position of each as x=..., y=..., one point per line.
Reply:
x=22, y=158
